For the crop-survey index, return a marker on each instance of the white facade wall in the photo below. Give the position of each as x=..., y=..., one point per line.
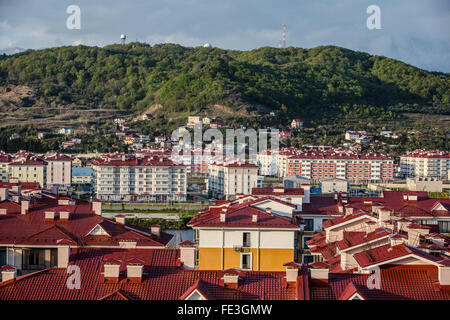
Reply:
x=158, y=182
x=270, y=239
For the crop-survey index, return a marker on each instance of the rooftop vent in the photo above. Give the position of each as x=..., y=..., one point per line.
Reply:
x=50, y=215
x=64, y=215
x=156, y=230
x=135, y=269
x=8, y=273
x=230, y=278
x=120, y=219
x=112, y=270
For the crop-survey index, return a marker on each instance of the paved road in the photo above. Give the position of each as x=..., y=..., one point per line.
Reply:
x=167, y=216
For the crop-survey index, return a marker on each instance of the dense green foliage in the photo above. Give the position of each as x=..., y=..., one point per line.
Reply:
x=293, y=81
x=165, y=224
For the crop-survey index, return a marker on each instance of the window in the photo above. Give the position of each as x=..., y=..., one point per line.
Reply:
x=306, y=238
x=246, y=239
x=246, y=261
x=307, y=258
x=444, y=226
x=309, y=225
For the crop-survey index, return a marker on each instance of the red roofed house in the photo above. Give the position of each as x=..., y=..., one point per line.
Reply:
x=245, y=234
x=372, y=236
x=297, y=123
x=33, y=230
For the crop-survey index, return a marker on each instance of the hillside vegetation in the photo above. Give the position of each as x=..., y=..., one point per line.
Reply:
x=325, y=82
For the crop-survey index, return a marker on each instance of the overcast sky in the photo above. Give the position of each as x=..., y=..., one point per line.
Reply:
x=414, y=31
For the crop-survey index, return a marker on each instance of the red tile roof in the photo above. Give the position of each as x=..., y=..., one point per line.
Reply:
x=33, y=229
x=162, y=280
x=241, y=217
x=385, y=253
x=353, y=238
x=397, y=283
x=278, y=191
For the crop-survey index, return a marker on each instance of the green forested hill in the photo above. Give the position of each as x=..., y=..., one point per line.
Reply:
x=319, y=82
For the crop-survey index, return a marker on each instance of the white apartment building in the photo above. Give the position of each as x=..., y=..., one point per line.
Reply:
x=227, y=180
x=267, y=163
x=282, y=161
x=427, y=164
x=120, y=177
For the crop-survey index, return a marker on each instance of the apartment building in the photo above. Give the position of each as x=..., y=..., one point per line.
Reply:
x=29, y=169
x=59, y=170
x=226, y=180
x=120, y=177
x=82, y=175
x=426, y=164
x=282, y=162
x=5, y=159
x=245, y=234
x=340, y=163
x=267, y=163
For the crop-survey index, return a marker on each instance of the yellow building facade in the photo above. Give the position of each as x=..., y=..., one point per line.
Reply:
x=245, y=249
x=29, y=172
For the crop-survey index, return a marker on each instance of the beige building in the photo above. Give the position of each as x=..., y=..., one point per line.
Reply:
x=332, y=185
x=31, y=169
x=4, y=167
x=227, y=180
x=59, y=170
x=424, y=184
x=192, y=120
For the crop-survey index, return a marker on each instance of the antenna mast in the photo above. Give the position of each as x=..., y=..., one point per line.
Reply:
x=284, y=36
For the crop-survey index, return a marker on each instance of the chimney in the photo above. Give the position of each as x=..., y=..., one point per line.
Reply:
x=156, y=230
x=402, y=223
x=97, y=207
x=49, y=215
x=187, y=254
x=383, y=215
x=319, y=273
x=292, y=272
x=63, y=252
x=414, y=233
x=254, y=217
x=8, y=273
x=306, y=193
x=17, y=189
x=4, y=194
x=63, y=202
x=396, y=239
x=25, y=206
x=230, y=278
x=112, y=270
x=135, y=269
x=120, y=219
x=64, y=215
x=223, y=215
x=128, y=244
